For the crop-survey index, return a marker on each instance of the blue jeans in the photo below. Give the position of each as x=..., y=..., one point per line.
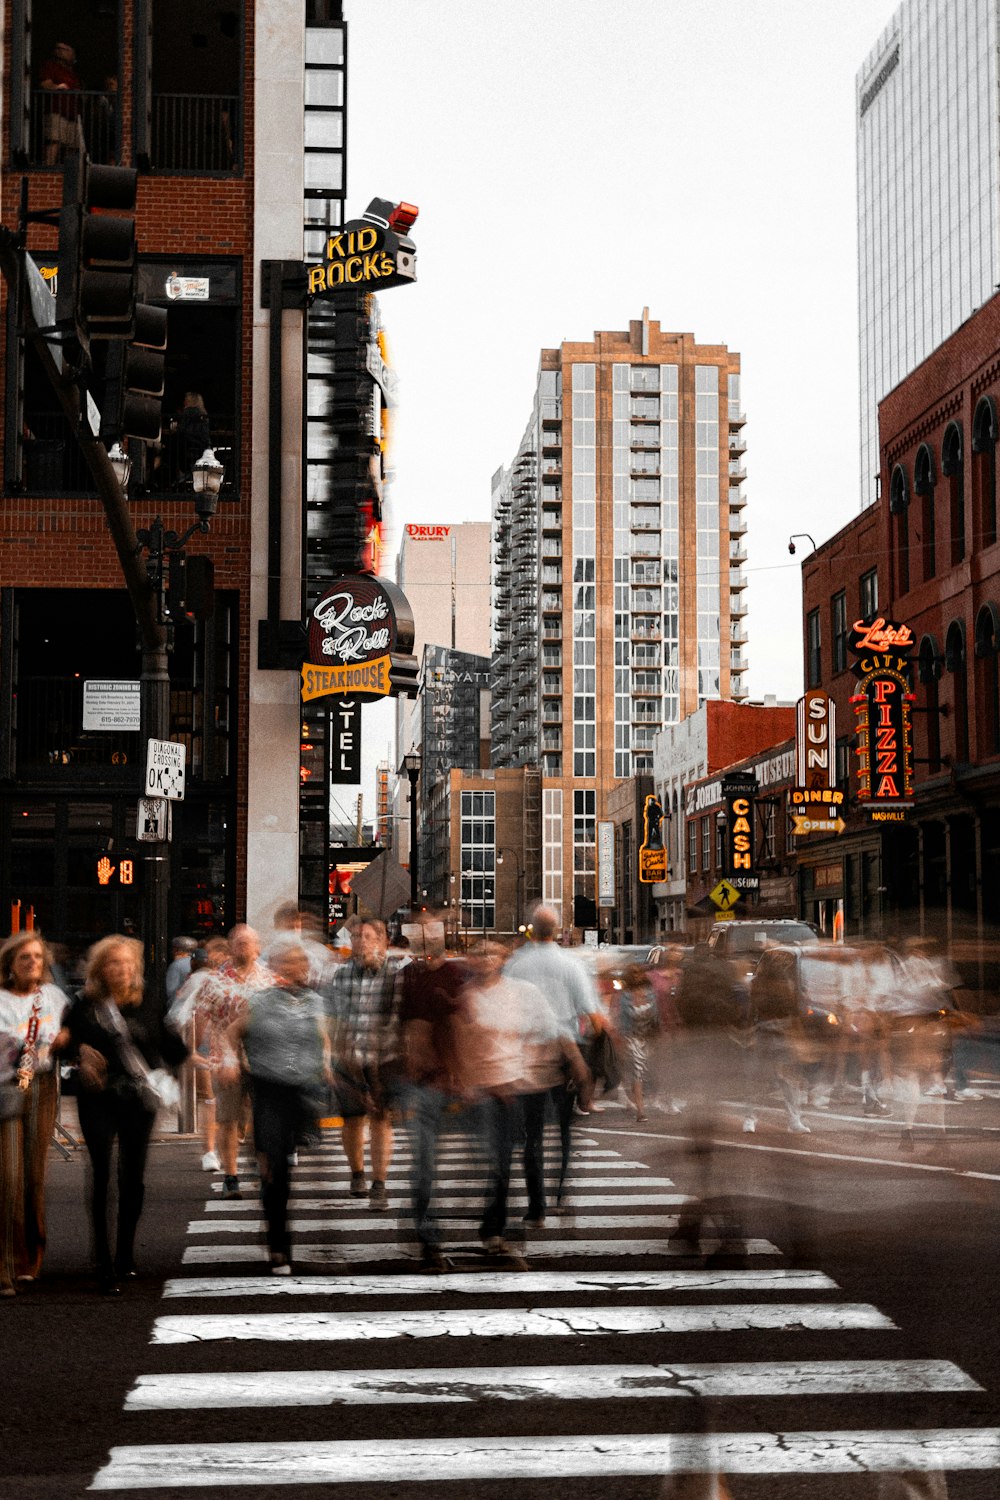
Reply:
x=425, y=1108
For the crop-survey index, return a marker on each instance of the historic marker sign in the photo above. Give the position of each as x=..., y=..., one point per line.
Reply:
x=883, y=714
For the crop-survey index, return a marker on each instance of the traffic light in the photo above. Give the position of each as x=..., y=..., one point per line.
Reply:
x=133, y=382
x=199, y=587
x=97, y=251
x=191, y=587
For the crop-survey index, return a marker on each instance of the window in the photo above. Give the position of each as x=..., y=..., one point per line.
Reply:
x=868, y=593
x=955, y=663
x=988, y=680
x=814, y=666
x=984, y=459
x=899, y=509
x=952, y=469
x=929, y=673
x=87, y=66
x=838, y=631
x=478, y=859
x=692, y=828
x=923, y=484
x=188, y=86
x=706, y=845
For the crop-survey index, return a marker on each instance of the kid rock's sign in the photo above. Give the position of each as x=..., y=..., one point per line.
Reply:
x=883, y=711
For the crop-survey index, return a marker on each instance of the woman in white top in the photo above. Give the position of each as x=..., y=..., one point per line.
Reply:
x=31, y=1012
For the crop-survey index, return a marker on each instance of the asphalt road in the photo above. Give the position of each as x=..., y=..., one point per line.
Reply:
x=866, y=1307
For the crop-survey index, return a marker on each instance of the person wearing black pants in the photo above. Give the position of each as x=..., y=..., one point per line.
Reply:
x=283, y=1037
x=103, y=1117
x=117, y=1035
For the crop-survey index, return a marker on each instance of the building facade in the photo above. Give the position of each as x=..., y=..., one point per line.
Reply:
x=927, y=134
x=715, y=736
x=231, y=177
x=636, y=439
x=928, y=556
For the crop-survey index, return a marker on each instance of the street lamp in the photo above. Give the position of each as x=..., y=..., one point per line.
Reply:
x=206, y=477
x=122, y=465
x=502, y=854
x=411, y=768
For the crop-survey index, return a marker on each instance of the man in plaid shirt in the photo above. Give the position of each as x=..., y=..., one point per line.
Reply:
x=362, y=1015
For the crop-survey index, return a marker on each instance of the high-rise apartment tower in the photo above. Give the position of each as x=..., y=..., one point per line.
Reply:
x=928, y=192
x=618, y=585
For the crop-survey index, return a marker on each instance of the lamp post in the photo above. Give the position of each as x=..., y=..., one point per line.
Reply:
x=158, y=544
x=503, y=854
x=411, y=768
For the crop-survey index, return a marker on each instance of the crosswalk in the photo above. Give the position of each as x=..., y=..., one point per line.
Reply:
x=362, y=1369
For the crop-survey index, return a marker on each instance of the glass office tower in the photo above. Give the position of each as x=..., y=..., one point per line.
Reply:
x=927, y=144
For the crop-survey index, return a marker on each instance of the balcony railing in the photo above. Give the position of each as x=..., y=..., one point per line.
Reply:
x=52, y=463
x=195, y=133
x=53, y=119
x=189, y=132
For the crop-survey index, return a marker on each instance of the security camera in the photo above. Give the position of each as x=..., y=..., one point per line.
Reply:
x=791, y=548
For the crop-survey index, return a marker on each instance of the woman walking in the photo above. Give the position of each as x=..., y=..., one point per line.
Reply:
x=31, y=1011
x=117, y=1033
x=638, y=1024
x=283, y=1035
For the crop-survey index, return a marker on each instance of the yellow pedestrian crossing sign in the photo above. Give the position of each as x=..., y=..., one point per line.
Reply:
x=725, y=895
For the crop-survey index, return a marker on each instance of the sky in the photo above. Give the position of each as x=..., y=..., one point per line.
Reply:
x=575, y=161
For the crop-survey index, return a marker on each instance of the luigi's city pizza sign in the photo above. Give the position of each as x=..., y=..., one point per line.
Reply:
x=883, y=713
x=354, y=631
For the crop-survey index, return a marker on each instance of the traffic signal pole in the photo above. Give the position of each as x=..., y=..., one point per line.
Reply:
x=154, y=691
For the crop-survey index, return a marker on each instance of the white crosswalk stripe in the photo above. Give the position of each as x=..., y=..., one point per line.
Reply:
x=398, y=1461
x=416, y=1318
x=520, y=1283
x=309, y=1253
x=267, y=1388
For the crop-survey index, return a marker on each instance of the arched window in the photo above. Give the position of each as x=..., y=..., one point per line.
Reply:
x=899, y=509
x=923, y=485
x=988, y=680
x=954, y=660
x=984, y=460
x=929, y=673
x=952, y=467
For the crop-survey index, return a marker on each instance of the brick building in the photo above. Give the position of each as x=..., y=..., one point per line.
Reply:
x=718, y=735
x=177, y=91
x=927, y=555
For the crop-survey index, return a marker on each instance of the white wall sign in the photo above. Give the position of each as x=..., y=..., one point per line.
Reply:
x=109, y=705
x=165, y=761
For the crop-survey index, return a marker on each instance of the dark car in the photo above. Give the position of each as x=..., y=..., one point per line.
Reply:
x=744, y=942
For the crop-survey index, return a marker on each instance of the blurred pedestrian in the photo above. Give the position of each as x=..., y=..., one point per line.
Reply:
x=222, y=1000
x=362, y=1016
x=572, y=995
x=431, y=1016
x=292, y=921
x=638, y=1025
x=31, y=1012
x=283, y=1034
x=181, y=1015
x=179, y=967
x=518, y=1048
x=118, y=1036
